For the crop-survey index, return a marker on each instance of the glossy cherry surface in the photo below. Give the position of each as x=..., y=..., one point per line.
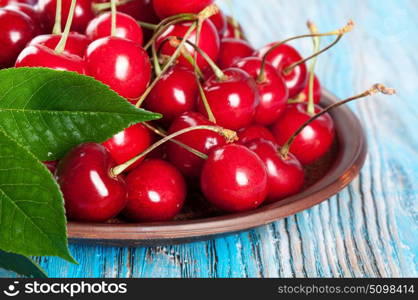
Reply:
x=285, y=175
x=208, y=42
x=272, y=89
x=232, y=50
x=304, y=95
x=7, y=2
x=314, y=141
x=129, y=143
x=141, y=10
x=167, y=8
x=202, y=140
x=156, y=192
x=90, y=193
x=121, y=64
x=17, y=29
x=30, y=11
x=233, y=100
x=253, y=132
x=174, y=94
x=281, y=58
x=220, y=22
x=83, y=13
x=41, y=56
x=234, y=179
x=126, y=27
x=76, y=43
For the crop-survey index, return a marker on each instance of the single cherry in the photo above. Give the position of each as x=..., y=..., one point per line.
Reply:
x=304, y=95
x=156, y=192
x=201, y=140
x=285, y=175
x=271, y=87
x=121, y=64
x=253, y=132
x=126, y=27
x=129, y=143
x=208, y=42
x=314, y=141
x=90, y=193
x=232, y=50
x=167, y=8
x=220, y=22
x=282, y=57
x=76, y=43
x=234, y=179
x=30, y=11
x=17, y=29
x=233, y=29
x=233, y=99
x=174, y=94
x=83, y=14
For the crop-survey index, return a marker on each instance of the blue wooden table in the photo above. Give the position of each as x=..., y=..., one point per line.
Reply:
x=370, y=228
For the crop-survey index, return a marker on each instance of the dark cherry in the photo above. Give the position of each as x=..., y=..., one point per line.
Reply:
x=156, y=192
x=90, y=193
x=202, y=140
x=272, y=89
x=41, y=56
x=17, y=29
x=220, y=22
x=82, y=15
x=285, y=175
x=208, y=42
x=51, y=165
x=141, y=10
x=253, y=132
x=232, y=50
x=126, y=27
x=281, y=58
x=304, y=95
x=234, y=179
x=314, y=141
x=232, y=100
x=76, y=43
x=174, y=94
x=230, y=31
x=167, y=8
x=129, y=143
x=121, y=64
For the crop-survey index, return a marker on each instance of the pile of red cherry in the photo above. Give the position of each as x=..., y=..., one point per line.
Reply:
x=260, y=94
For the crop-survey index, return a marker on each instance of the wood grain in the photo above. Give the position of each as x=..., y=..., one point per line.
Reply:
x=369, y=229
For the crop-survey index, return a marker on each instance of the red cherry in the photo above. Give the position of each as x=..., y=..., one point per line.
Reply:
x=141, y=10
x=7, y=2
x=41, y=56
x=126, y=27
x=156, y=192
x=167, y=8
x=129, y=143
x=273, y=90
x=30, y=11
x=51, y=165
x=76, y=43
x=174, y=94
x=90, y=193
x=208, y=43
x=202, y=140
x=234, y=179
x=219, y=20
x=285, y=175
x=121, y=64
x=82, y=16
x=17, y=29
x=281, y=58
x=314, y=141
x=233, y=100
x=230, y=31
x=253, y=132
x=304, y=95
x=232, y=50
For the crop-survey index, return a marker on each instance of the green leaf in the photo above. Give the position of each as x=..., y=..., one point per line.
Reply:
x=21, y=265
x=32, y=220
x=52, y=111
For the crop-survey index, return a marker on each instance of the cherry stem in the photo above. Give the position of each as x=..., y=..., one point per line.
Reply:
x=188, y=148
x=233, y=21
x=157, y=67
x=347, y=28
x=166, y=67
x=377, y=88
x=113, y=12
x=57, y=26
x=316, y=45
x=61, y=44
x=98, y=7
x=229, y=135
x=147, y=25
x=205, y=101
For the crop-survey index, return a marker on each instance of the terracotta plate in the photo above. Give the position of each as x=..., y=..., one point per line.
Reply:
x=202, y=222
